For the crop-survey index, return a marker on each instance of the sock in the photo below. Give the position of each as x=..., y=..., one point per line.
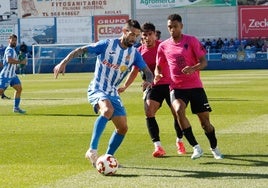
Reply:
x=16, y=102
x=178, y=129
x=212, y=139
x=188, y=133
x=156, y=144
x=178, y=139
x=114, y=142
x=153, y=129
x=98, y=129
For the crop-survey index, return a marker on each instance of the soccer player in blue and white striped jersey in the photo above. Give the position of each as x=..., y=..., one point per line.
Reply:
x=115, y=58
x=8, y=73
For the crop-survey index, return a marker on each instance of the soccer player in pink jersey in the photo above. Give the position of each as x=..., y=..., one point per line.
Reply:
x=155, y=96
x=185, y=57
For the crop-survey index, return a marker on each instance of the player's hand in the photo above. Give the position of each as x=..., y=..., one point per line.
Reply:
x=121, y=89
x=188, y=70
x=59, y=68
x=146, y=85
x=157, y=78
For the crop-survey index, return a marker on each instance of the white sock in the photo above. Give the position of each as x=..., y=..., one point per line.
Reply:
x=156, y=144
x=92, y=150
x=179, y=140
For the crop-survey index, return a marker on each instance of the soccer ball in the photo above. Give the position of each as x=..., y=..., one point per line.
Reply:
x=107, y=165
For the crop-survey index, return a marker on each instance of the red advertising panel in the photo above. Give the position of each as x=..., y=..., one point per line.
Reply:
x=253, y=21
x=109, y=26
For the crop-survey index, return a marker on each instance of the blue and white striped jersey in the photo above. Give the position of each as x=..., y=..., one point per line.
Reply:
x=112, y=65
x=9, y=70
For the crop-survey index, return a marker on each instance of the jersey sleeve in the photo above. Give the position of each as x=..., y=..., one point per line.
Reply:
x=98, y=47
x=138, y=61
x=200, y=50
x=9, y=54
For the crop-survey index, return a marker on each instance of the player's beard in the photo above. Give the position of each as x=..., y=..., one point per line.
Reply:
x=13, y=45
x=128, y=43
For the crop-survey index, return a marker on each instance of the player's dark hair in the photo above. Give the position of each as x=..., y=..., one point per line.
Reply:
x=12, y=36
x=133, y=24
x=148, y=27
x=175, y=17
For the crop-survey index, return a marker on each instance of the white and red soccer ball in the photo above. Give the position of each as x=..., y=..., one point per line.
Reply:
x=107, y=165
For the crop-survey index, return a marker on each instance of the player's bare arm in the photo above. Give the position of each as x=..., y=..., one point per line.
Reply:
x=149, y=78
x=15, y=61
x=61, y=67
x=199, y=66
x=130, y=79
x=75, y=53
x=157, y=73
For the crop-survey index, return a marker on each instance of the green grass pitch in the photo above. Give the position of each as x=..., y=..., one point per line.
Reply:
x=46, y=147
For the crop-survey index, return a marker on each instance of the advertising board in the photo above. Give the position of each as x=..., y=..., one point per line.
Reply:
x=252, y=21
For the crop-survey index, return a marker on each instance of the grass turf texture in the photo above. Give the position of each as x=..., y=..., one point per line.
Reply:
x=46, y=147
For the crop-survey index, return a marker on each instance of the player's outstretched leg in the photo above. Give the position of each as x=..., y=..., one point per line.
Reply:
x=98, y=129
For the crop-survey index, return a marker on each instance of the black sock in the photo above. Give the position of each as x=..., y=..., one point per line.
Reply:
x=153, y=129
x=178, y=129
x=212, y=139
x=188, y=133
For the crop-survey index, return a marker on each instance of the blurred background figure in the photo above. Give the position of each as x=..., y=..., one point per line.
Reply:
x=158, y=34
x=22, y=55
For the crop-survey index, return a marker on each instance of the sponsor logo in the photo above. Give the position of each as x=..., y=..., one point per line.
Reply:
x=254, y=24
x=253, y=21
x=113, y=66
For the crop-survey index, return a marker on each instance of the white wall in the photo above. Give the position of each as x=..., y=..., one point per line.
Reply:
x=203, y=22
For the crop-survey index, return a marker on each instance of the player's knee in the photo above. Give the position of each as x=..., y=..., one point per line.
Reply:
x=180, y=112
x=107, y=112
x=207, y=127
x=149, y=113
x=122, y=130
x=19, y=90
